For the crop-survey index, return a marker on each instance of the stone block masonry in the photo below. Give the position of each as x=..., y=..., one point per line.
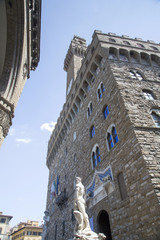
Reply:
x=113, y=145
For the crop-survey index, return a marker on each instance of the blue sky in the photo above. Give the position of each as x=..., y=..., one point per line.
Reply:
x=23, y=172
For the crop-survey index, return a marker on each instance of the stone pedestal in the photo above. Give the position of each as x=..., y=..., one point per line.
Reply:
x=87, y=234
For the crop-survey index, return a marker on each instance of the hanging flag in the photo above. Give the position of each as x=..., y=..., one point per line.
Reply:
x=53, y=190
x=54, y=193
x=51, y=196
x=57, y=184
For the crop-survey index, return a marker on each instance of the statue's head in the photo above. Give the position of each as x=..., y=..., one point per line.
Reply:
x=78, y=179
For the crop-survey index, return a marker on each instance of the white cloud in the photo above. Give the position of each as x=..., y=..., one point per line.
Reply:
x=12, y=131
x=23, y=140
x=48, y=126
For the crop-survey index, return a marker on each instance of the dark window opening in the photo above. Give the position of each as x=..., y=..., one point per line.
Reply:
x=122, y=186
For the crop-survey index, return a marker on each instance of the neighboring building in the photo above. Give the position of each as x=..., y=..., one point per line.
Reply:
x=4, y=226
x=108, y=133
x=27, y=231
x=20, y=24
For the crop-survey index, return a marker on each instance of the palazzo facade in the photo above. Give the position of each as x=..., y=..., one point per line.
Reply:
x=108, y=133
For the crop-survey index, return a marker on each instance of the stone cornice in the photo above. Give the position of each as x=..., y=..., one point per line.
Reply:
x=35, y=11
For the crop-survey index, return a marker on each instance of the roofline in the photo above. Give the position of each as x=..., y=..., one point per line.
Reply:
x=1, y=215
x=26, y=227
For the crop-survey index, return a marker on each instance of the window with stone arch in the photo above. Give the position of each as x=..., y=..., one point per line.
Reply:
x=95, y=156
x=155, y=113
x=148, y=94
x=134, y=74
x=111, y=137
x=105, y=111
x=100, y=90
x=92, y=131
x=89, y=109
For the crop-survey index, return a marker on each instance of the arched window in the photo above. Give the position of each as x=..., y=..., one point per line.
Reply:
x=136, y=75
x=110, y=141
x=140, y=45
x=105, y=112
x=98, y=154
x=126, y=42
x=95, y=156
x=102, y=87
x=132, y=74
x=156, y=117
x=112, y=40
x=100, y=90
x=122, y=186
x=99, y=94
x=112, y=53
x=94, y=160
x=148, y=94
x=123, y=55
x=139, y=76
x=92, y=131
x=112, y=137
x=154, y=48
x=89, y=110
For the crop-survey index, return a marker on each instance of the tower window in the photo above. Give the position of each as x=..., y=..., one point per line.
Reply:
x=156, y=117
x=89, y=110
x=100, y=91
x=140, y=45
x=112, y=40
x=126, y=42
x=96, y=158
x=154, y=48
x=136, y=75
x=92, y=131
x=112, y=137
x=148, y=95
x=105, y=112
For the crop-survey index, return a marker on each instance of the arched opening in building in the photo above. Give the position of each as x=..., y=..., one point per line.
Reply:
x=104, y=224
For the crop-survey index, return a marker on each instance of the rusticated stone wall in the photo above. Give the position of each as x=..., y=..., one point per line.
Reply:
x=136, y=154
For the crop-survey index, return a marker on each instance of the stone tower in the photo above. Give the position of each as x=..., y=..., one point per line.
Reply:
x=108, y=133
x=72, y=62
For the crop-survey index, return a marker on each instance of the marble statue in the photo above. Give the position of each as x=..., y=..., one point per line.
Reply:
x=45, y=226
x=83, y=230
